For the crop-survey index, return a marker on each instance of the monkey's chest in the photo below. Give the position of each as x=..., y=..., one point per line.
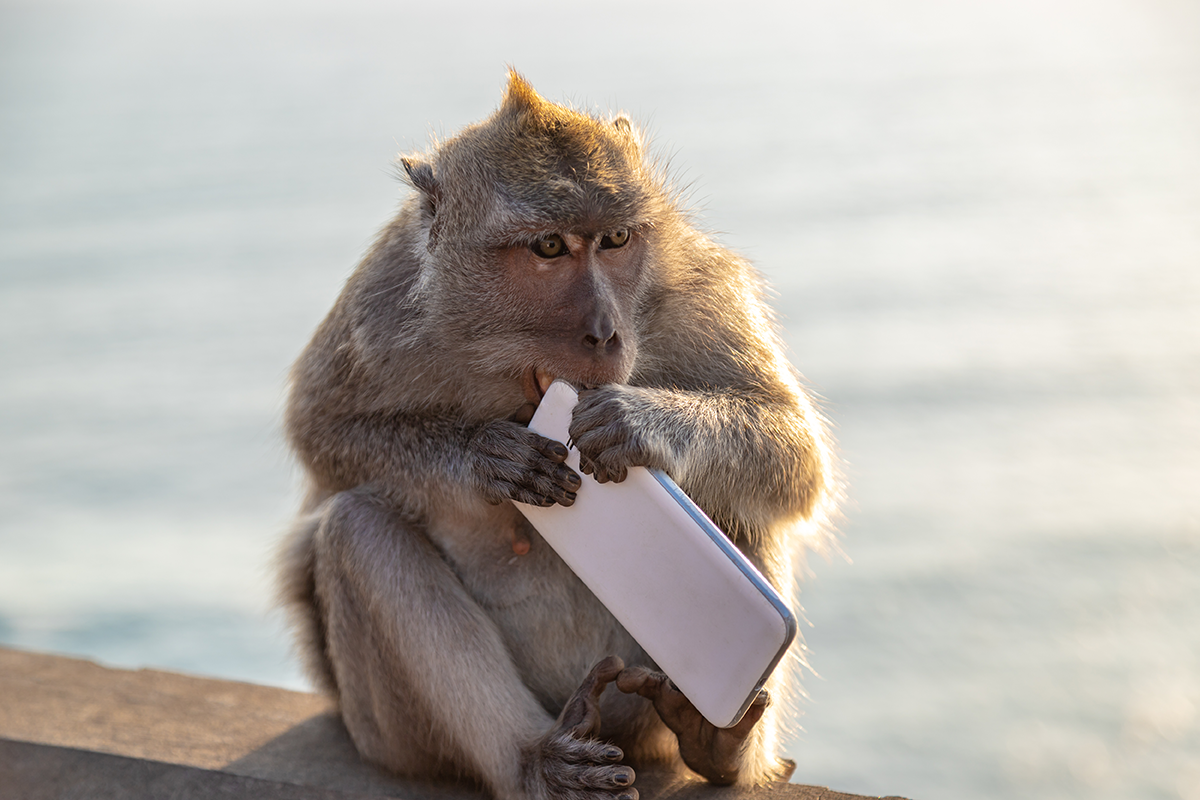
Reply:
x=554, y=627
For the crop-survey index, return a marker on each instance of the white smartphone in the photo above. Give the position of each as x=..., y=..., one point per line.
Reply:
x=686, y=594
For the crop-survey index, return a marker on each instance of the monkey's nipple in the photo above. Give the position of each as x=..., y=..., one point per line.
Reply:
x=520, y=541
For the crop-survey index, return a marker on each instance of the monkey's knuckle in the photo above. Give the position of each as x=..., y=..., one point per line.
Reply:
x=545, y=487
x=497, y=470
x=496, y=492
x=492, y=441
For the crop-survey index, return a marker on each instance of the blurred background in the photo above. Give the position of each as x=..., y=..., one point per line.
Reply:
x=981, y=221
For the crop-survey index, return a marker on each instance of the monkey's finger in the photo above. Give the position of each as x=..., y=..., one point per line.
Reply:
x=670, y=703
x=527, y=496
x=555, y=451
x=618, y=458
x=604, y=474
x=532, y=492
x=568, y=477
x=753, y=715
x=581, y=715
x=559, y=487
x=518, y=480
x=635, y=680
x=597, y=408
x=605, y=671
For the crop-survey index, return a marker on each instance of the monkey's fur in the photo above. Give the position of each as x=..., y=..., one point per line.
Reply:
x=539, y=243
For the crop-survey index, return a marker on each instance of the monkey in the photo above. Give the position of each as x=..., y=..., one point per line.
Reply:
x=543, y=242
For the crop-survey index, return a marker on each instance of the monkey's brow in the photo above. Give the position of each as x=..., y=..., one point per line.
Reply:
x=530, y=236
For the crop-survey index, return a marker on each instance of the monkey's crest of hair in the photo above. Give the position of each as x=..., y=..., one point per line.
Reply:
x=532, y=167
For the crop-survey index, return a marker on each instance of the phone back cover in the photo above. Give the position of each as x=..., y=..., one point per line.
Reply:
x=693, y=602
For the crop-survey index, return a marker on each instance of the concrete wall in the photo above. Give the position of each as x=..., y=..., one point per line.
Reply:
x=73, y=729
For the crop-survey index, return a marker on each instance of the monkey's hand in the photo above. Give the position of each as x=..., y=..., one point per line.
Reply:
x=568, y=762
x=511, y=462
x=715, y=753
x=605, y=427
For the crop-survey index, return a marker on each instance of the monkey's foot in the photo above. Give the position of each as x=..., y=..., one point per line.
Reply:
x=568, y=762
x=714, y=753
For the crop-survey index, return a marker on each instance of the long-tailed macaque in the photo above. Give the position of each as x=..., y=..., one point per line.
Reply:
x=538, y=244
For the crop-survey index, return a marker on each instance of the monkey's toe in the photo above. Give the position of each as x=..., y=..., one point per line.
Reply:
x=607, y=777
x=584, y=769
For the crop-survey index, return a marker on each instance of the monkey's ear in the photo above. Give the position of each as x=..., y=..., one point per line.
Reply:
x=631, y=134
x=421, y=177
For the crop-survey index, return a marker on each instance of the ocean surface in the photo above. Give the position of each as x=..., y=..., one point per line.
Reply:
x=981, y=222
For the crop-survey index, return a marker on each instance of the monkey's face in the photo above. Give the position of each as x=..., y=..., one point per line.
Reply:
x=541, y=231
x=572, y=296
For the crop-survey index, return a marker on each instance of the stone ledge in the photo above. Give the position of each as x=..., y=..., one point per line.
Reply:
x=71, y=728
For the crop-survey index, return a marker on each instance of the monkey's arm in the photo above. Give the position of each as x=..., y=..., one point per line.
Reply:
x=749, y=458
x=420, y=460
x=353, y=422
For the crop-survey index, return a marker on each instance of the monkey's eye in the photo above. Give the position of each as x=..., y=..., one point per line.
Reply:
x=551, y=246
x=614, y=239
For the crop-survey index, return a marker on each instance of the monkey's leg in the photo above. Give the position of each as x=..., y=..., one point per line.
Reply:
x=722, y=755
x=424, y=680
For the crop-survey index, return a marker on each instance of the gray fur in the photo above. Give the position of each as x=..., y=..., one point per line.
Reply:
x=454, y=639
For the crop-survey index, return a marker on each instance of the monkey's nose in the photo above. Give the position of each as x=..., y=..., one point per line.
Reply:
x=601, y=336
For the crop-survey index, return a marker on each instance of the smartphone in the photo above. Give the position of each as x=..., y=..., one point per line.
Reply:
x=686, y=594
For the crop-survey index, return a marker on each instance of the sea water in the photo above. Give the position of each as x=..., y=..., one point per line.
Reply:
x=981, y=223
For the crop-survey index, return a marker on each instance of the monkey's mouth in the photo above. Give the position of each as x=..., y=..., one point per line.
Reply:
x=535, y=382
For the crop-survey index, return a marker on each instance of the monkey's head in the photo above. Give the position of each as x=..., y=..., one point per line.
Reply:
x=539, y=227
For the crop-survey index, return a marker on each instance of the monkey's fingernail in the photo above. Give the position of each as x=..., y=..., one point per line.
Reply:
x=623, y=779
x=625, y=796
x=613, y=754
x=559, y=451
x=568, y=499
